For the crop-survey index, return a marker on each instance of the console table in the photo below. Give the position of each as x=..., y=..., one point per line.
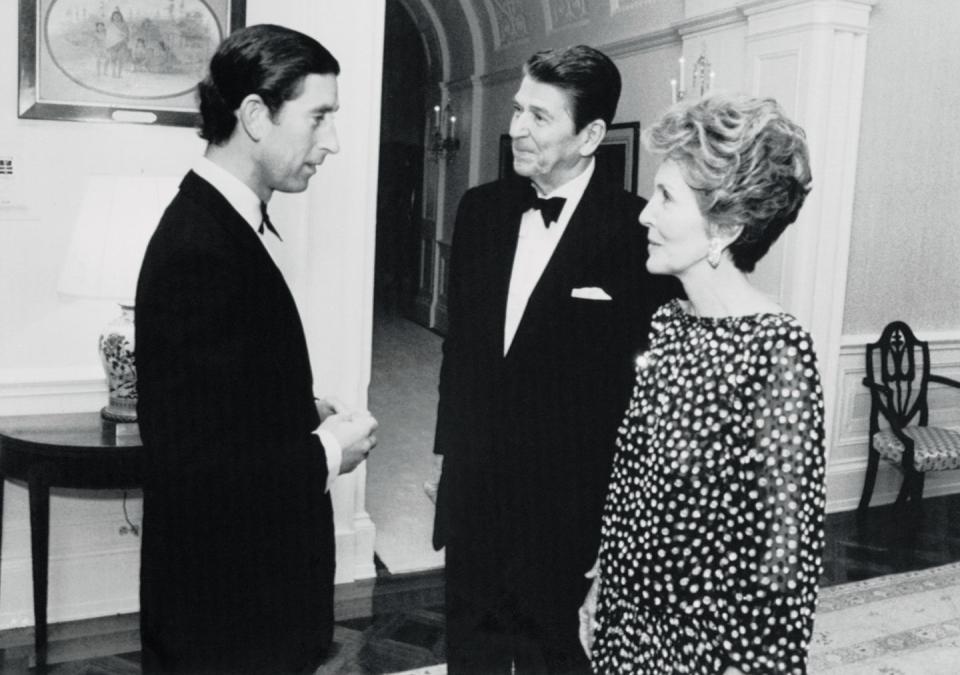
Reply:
x=76, y=450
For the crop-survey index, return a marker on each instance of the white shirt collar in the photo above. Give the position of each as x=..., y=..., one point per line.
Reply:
x=234, y=190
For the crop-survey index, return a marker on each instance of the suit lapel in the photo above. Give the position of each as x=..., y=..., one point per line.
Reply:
x=587, y=233
x=507, y=227
x=272, y=300
x=232, y=223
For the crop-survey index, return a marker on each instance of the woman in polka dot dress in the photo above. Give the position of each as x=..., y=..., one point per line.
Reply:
x=713, y=527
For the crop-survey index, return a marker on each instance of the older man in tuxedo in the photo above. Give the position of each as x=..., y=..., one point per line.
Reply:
x=549, y=300
x=238, y=549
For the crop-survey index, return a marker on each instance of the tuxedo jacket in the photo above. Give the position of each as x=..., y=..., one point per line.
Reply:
x=238, y=551
x=528, y=437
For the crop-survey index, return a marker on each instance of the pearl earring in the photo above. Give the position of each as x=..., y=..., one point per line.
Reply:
x=713, y=253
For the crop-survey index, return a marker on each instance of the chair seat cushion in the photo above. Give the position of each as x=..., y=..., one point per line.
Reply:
x=934, y=448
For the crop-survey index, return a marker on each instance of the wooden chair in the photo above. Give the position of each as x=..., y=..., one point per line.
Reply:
x=898, y=375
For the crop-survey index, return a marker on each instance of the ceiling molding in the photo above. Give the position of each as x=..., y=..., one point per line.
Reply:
x=710, y=22
x=634, y=45
x=642, y=43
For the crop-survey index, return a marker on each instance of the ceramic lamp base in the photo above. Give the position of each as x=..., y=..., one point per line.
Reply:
x=117, y=356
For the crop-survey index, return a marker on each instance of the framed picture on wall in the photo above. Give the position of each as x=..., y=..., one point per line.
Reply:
x=617, y=156
x=119, y=60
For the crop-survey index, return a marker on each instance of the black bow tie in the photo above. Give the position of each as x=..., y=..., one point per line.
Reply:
x=265, y=222
x=549, y=208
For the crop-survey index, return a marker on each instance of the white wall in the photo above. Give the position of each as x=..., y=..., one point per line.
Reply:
x=906, y=234
x=48, y=359
x=48, y=354
x=905, y=241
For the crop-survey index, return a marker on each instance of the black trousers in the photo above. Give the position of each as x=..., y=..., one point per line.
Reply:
x=489, y=632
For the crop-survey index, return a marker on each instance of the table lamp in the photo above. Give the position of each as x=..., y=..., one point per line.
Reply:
x=117, y=216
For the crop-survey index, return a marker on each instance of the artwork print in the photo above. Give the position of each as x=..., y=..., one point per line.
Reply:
x=90, y=58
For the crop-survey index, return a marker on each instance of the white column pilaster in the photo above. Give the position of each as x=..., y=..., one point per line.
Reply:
x=810, y=55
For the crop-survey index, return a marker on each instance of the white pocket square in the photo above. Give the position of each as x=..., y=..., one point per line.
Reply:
x=590, y=293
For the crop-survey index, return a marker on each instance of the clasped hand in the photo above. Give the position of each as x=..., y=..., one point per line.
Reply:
x=354, y=430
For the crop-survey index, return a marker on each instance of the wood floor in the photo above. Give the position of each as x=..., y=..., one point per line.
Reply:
x=889, y=540
x=386, y=625
x=395, y=622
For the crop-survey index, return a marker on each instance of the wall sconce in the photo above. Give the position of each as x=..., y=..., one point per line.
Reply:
x=444, y=142
x=703, y=77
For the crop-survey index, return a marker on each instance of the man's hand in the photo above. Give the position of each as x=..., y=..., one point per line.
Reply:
x=432, y=484
x=354, y=432
x=588, y=610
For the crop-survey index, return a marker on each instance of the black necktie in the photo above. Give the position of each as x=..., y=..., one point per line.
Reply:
x=265, y=222
x=549, y=208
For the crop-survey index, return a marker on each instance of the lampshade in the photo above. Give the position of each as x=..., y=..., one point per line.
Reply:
x=116, y=218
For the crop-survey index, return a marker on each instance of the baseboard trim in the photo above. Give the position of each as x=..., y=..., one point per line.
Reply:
x=848, y=448
x=29, y=391
x=845, y=485
x=388, y=593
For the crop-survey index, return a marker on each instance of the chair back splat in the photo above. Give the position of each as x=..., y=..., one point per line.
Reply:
x=897, y=351
x=898, y=377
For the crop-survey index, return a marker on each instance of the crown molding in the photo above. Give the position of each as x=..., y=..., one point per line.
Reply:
x=634, y=45
x=766, y=16
x=642, y=43
x=703, y=23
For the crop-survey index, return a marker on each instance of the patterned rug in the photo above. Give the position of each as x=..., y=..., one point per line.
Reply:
x=902, y=624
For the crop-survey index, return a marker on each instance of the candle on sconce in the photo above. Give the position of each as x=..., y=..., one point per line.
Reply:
x=436, y=117
x=452, y=134
x=673, y=90
x=682, y=81
x=712, y=75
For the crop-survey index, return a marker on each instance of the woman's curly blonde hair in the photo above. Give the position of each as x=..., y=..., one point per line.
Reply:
x=747, y=163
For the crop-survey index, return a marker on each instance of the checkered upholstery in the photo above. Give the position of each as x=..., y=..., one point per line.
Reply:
x=934, y=448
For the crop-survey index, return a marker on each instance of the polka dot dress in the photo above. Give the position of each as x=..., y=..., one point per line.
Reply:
x=713, y=527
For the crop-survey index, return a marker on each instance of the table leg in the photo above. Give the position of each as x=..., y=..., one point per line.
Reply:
x=39, y=489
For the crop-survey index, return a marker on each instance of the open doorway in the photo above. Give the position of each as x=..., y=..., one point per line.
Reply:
x=406, y=356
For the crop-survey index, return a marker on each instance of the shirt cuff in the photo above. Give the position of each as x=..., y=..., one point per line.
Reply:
x=334, y=453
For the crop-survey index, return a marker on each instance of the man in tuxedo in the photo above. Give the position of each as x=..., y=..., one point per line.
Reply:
x=238, y=544
x=549, y=302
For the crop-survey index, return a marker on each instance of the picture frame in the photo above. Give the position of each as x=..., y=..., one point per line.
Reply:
x=119, y=60
x=617, y=156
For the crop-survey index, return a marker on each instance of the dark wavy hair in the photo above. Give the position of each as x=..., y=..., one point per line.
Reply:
x=267, y=60
x=589, y=76
x=746, y=161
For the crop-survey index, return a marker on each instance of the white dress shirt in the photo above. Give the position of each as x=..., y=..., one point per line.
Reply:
x=247, y=204
x=535, y=246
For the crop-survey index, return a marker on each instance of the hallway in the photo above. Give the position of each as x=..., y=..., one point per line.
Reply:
x=403, y=398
